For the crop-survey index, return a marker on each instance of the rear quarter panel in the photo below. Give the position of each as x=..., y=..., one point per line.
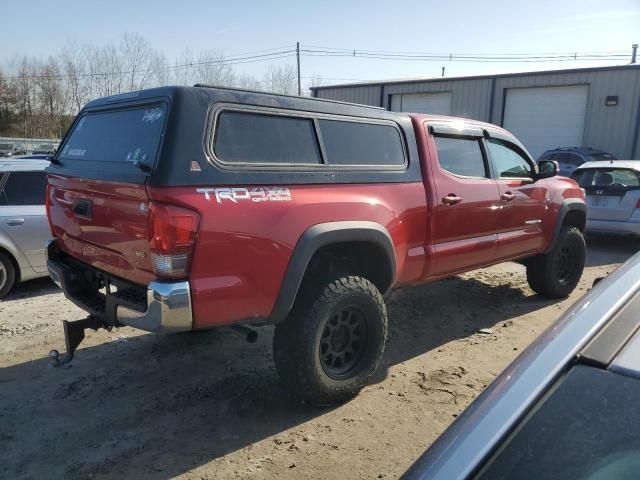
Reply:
x=244, y=247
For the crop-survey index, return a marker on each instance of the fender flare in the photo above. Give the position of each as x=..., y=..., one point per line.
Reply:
x=568, y=205
x=322, y=235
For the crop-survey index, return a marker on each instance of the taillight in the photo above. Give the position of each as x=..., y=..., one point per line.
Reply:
x=47, y=203
x=172, y=235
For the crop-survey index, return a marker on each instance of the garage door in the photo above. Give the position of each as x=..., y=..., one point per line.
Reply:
x=549, y=117
x=434, y=103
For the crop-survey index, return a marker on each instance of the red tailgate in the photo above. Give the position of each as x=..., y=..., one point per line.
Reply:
x=104, y=224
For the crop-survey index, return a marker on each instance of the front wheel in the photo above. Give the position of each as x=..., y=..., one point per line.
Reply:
x=556, y=274
x=332, y=342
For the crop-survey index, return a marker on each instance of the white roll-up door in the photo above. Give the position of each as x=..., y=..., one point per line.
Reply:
x=546, y=117
x=433, y=103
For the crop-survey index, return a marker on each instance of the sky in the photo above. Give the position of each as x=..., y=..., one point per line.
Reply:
x=40, y=28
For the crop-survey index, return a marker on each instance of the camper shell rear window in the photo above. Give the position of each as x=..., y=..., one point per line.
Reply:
x=120, y=136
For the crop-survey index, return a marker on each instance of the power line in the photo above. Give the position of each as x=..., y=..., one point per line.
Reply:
x=226, y=61
x=462, y=58
x=278, y=53
x=351, y=50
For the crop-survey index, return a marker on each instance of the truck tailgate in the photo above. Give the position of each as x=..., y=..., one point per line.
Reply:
x=104, y=224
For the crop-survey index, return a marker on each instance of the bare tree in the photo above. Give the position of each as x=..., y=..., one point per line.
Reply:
x=248, y=82
x=39, y=97
x=136, y=56
x=75, y=69
x=211, y=69
x=281, y=79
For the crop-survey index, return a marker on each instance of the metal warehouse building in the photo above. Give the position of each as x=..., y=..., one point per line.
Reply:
x=588, y=107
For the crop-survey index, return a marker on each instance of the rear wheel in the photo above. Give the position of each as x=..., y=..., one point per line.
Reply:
x=556, y=274
x=333, y=340
x=7, y=275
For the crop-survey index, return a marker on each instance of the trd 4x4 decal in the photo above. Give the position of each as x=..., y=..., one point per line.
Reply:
x=254, y=194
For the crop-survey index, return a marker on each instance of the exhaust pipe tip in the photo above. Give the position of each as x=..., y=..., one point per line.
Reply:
x=249, y=334
x=252, y=336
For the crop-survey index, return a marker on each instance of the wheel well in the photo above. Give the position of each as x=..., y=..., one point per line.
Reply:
x=12, y=259
x=364, y=259
x=575, y=218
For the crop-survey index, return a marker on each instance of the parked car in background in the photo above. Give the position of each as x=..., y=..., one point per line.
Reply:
x=24, y=230
x=45, y=148
x=6, y=149
x=39, y=156
x=565, y=408
x=612, y=195
x=570, y=158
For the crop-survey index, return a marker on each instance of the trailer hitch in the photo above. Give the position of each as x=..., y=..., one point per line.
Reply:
x=73, y=336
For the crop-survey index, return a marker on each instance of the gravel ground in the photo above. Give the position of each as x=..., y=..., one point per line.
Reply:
x=208, y=405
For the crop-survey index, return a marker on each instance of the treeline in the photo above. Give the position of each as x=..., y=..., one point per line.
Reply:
x=40, y=96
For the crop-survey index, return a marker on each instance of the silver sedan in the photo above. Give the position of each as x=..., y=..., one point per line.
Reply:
x=24, y=230
x=612, y=195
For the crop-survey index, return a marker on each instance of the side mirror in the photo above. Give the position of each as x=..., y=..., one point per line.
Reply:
x=547, y=169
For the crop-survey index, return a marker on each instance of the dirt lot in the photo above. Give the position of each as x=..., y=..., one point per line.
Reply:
x=208, y=405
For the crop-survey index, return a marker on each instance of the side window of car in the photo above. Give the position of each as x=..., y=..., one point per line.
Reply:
x=461, y=156
x=508, y=162
x=24, y=188
x=243, y=137
x=358, y=143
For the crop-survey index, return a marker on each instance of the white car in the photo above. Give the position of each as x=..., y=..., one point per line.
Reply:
x=24, y=229
x=613, y=195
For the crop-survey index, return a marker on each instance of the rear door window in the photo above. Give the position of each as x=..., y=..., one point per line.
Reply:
x=116, y=136
x=355, y=143
x=243, y=137
x=461, y=156
x=24, y=188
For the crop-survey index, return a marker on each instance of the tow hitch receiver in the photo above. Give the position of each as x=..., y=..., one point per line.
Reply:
x=73, y=336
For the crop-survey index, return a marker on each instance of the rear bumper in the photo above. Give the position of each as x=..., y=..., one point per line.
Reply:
x=613, y=227
x=165, y=307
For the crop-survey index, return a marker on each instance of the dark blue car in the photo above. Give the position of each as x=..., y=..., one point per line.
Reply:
x=571, y=158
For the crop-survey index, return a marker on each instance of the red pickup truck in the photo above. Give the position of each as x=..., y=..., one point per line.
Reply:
x=187, y=208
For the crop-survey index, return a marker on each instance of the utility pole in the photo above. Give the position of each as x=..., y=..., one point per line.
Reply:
x=443, y=71
x=298, y=59
x=634, y=52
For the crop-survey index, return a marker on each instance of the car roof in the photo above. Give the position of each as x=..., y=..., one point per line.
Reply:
x=629, y=164
x=466, y=443
x=23, y=165
x=585, y=150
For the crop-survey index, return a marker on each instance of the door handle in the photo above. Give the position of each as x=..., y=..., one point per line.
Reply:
x=451, y=199
x=507, y=196
x=14, y=222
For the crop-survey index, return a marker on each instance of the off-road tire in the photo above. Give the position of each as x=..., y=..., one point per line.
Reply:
x=317, y=319
x=556, y=274
x=7, y=275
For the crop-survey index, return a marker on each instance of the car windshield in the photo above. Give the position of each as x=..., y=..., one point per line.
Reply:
x=584, y=430
x=6, y=146
x=607, y=179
